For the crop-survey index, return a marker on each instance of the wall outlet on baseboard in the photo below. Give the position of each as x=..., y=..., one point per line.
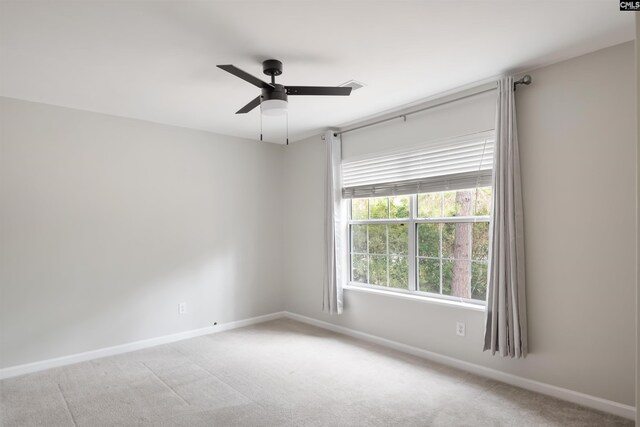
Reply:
x=461, y=329
x=182, y=308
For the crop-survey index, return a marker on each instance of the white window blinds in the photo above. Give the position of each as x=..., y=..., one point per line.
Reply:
x=451, y=164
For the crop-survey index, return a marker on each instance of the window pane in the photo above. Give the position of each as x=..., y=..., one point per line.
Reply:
x=399, y=207
x=483, y=201
x=359, y=266
x=459, y=203
x=456, y=240
x=429, y=240
x=449, y=203
x=399, y=272
x=430, y=205
x=480, y=248
x=378, y=270
x=457, y=279
x=359, y=208
x=359, y=238
x=479, y=280
x=447, y=276
x=429, y=275
x=379, y=208
x=378, y=239
x=448, y=240
x=398, y=239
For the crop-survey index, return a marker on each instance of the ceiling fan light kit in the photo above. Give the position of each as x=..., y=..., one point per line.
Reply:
x=274, y=97
x=273, y=107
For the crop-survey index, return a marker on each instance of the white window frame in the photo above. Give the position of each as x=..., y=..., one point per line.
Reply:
x=412, y=224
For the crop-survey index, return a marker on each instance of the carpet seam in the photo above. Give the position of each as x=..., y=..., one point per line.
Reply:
x=66, y=404
x=165, y=384
x=221, y=380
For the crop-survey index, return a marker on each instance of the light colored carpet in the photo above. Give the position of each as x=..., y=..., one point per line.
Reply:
x=276, y=373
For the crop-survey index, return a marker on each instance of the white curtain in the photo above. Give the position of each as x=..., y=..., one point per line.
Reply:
x=336, y=265
x=506, y=320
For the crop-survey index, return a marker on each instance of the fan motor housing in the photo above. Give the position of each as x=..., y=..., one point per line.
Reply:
x=278, y=92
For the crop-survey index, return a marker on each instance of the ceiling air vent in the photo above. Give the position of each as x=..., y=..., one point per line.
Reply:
x=354, y=85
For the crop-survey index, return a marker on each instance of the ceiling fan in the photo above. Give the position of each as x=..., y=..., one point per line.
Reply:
x=273, y=99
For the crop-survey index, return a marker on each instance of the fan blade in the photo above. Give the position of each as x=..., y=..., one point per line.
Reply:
x=319, y=90
x=245, y=76
x=250, y=106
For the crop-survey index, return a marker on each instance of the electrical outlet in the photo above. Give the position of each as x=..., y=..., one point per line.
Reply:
x=460, y=329
x=182, y=308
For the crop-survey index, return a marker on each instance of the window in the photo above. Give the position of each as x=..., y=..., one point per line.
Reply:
x=419, y=218
x=432, y=243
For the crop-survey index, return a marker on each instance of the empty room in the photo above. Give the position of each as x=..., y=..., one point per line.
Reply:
x=318, y=213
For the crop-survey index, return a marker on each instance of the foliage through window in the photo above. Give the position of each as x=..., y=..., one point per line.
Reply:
x=430, y=243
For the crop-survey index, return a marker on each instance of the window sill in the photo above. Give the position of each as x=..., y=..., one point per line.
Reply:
x=419, y=298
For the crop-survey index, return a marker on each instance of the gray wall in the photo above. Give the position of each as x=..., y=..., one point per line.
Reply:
x=108, y=223
x=578, y=148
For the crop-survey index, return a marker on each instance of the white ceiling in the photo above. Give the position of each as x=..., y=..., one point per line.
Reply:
x=156, y=60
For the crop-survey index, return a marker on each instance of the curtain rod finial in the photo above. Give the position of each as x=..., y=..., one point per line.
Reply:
x=525, y=80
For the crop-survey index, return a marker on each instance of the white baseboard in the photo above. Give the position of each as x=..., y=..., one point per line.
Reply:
x=583, y=399
x=28, y=368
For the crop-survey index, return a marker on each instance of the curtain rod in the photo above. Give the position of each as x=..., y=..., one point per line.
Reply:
x=526, y=80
